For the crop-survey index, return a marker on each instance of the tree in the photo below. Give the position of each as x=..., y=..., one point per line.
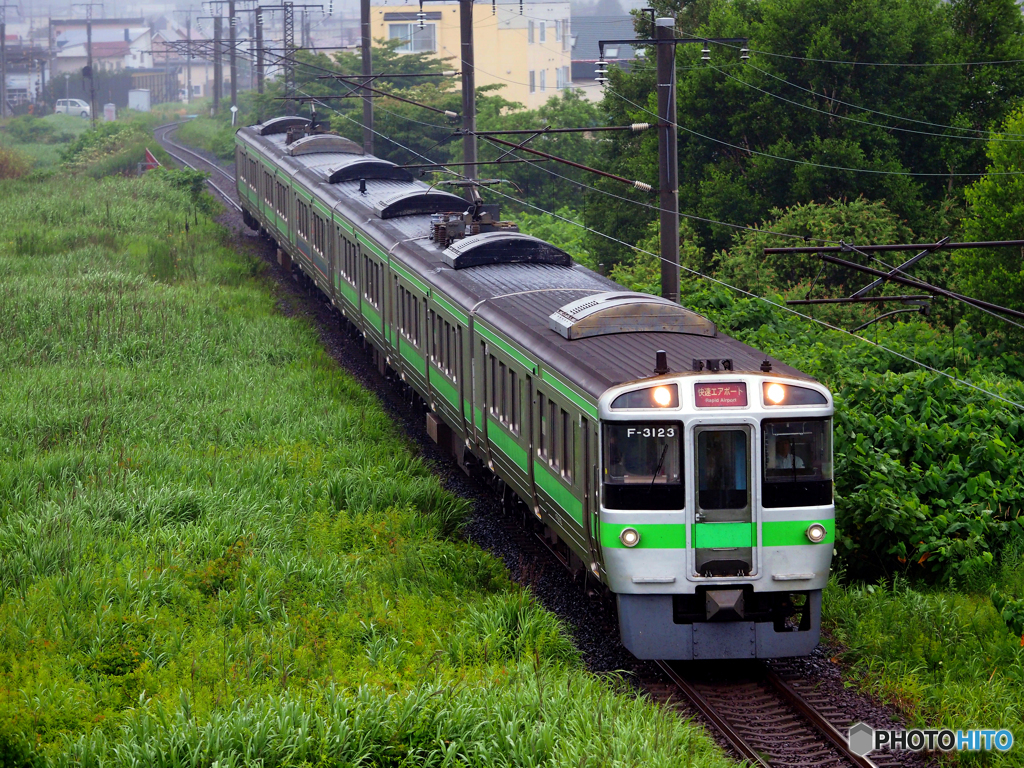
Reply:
x=540, y=179
x=778, y=130
x=995, y=211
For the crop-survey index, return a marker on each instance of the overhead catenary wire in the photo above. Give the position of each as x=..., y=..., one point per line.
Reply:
x=955, y=379
x=973, y=302
x=877, y=112
x=852, y=119
x=795, y=161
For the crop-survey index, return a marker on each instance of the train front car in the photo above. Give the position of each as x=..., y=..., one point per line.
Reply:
x=717, y=519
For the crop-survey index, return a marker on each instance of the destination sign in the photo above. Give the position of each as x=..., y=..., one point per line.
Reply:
x=729, y=394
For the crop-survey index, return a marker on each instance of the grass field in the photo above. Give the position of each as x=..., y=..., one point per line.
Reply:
x=214, y=546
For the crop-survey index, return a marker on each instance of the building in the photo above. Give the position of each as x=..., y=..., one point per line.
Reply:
x=117, y=44
x=523, y=47
x=587, y=32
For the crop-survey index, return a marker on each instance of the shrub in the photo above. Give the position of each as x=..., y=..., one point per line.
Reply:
x=13, y=165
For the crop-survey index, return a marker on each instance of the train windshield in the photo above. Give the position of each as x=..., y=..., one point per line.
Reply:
x=643, y=465
x=797, y=463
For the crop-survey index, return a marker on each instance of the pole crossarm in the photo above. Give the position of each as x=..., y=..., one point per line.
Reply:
x=676, y=41
x=847, y=248
x=635, y=184
x=539, y=131
x=899, y=270
x=921, y=285
x=864, y=299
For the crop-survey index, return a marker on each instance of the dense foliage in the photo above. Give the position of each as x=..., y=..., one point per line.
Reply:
x=929, y=471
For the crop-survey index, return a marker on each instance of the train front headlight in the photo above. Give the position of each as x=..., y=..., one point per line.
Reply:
x=816, y=533
x=629, y=537
x=775, y=393
x=663, y=396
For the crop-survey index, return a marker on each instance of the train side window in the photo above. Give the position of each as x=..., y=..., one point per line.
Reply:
x=567, y=441
x=552, y=433
x=542, y=444
x=494, y=385
x=513, y=409
x=503, y=394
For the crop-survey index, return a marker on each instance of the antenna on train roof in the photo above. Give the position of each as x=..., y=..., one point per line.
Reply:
x=661, y=362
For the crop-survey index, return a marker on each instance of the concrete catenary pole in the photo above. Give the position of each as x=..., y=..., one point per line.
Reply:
x=232, y=53
x=188, y=62
x=259, y=50
x=468, y=93
x=365, y=41
x=218, y=73
x=668, y=157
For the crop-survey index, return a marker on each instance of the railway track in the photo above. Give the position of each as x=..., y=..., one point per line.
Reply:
x=195, y=161
x=765, y=713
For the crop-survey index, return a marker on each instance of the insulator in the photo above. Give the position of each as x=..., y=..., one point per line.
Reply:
x=705, y=53
x=449, y=114
x=640, y=126
x=642, y=187
x=744, y=53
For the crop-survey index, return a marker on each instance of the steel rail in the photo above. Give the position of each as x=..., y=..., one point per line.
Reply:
x=169, y=128
x=163, y=139
x=829, y=731
x=735, y=740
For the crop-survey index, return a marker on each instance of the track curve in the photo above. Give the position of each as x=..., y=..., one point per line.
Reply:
x=196, y=161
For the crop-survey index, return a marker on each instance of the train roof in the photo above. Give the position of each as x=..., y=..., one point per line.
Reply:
x=517, y=297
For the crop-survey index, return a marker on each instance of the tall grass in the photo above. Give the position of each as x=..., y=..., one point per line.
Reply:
x=214, y=546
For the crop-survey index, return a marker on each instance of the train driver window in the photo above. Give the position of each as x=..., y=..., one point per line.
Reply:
x=797, y=458
x=643, y=465
x=722, y=469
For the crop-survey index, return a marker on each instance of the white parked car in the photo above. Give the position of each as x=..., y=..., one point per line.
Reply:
x=73, y=107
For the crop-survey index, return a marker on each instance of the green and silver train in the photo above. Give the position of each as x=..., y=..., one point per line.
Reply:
x=688, y=473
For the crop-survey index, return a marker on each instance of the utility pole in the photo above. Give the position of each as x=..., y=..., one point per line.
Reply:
x=88, y=72
x=233, y=54
x=3, y=59
x=188, y=64
x=364, y=28
x=288, y=25
x=218, y=74
x=468, y=93
x=668, y=141
x=668, y=158
x=259, y=50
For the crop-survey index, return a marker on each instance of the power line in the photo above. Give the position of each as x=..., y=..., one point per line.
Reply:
x=954, y=379
x=888, y=64
x=691, y=216
x=876, y=112
x=857, y=120
x=794, y=161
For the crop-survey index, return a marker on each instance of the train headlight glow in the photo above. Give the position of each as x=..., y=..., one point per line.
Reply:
x=816, y=533
x=663, y=396
x=776, y=393
x=629, y=537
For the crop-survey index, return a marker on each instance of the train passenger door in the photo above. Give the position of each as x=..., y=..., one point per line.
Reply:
x=724, y=531
x=591, y=521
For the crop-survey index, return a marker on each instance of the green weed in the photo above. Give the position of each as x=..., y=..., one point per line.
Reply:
x=215, y=547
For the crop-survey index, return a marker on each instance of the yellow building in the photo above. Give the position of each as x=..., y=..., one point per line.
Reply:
x=526, y=48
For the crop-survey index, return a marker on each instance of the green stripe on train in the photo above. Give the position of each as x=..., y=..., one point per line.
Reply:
x=499, y=439
x=776, y=533
x=561, y=495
